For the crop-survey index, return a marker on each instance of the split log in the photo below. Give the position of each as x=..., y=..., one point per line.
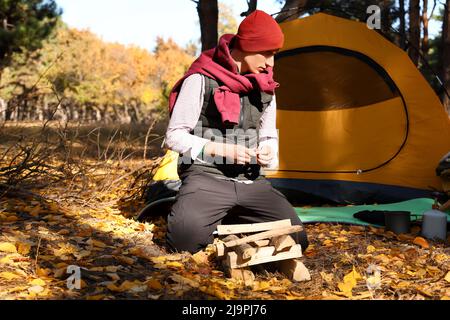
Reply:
x=249, y=228
x=294, y=269
x=233, y=259
x=263, y=235
x=261, y=243
x=283, y=242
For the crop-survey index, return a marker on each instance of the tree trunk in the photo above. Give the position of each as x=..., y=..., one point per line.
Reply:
x=252, y=5
x=3, y=108
x=402, y=30
x=445, y=73
x=386, y=19
x=208, y=13
x=414, y=31
x=292, y=10
x=425, y=40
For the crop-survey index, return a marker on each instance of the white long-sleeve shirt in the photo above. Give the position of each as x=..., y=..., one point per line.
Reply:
x=186, y=114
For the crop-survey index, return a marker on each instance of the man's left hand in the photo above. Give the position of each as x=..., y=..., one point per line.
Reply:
x=265, y=155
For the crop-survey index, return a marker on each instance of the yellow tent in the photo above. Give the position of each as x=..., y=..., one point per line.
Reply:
x=357, y=121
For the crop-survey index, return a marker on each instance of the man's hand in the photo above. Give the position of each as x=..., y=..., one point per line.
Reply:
x=234, y=153
x=265, y=155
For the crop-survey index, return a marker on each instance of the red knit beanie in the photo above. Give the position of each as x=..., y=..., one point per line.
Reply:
x=259, y=32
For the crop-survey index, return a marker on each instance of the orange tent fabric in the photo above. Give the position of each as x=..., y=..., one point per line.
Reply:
x=353, y=107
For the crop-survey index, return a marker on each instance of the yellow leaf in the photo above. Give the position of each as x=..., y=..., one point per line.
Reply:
x=8, y=247
x=9, y=275
x=37, y=282
x=42, y=272
x=350, y=281
x=327, y=243
x=447, y=277
x=200, y=258
x=371, y=249
x=23, y=248
x=342, y=239
x=261, y=285
x=174, y=264
x=158, y=260
x=445, y=298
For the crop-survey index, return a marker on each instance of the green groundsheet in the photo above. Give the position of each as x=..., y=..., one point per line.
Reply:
x=345, y=214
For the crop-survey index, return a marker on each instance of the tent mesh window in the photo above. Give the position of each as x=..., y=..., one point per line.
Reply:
x=328, y=78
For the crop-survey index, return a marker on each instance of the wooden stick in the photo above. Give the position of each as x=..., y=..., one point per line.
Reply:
x=263, y=235
x=232, y=258
x=261, y=243
x=255, y=227
x=220, y=245
x=259, y=254
x=246, y=251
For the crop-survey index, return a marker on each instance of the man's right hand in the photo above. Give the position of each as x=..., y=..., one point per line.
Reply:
x=234, y=153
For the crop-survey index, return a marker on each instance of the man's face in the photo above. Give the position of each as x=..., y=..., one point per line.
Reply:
x=257, y=62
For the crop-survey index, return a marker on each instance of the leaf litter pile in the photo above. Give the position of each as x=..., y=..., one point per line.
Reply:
x=120, y=258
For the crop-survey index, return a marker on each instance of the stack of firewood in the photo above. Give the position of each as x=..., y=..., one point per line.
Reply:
x=241, y=246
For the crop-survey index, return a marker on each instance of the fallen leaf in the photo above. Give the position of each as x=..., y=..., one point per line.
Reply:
x=43, y=272
x=421, y=242
x=113, y=276
x=37, y=282
x=350, y=281
x=35, y=211
x=131, y=286
x=371, y=249
x=174, y=264
x=328, y=277
x=447, y=277
x=23, y=248
x=36, y=289
x=124, y=259
x=111, y=269
x=200, y=258
x=9, y=275
x=8, y=247
x=96, y=297
x=154, y=284
x=185, y=281
x=96, y=243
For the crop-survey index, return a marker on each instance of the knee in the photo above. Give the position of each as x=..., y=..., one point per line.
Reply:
x=301, y=237
x=179, y=238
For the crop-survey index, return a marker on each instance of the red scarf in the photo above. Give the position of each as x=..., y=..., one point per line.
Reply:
x=218, y=65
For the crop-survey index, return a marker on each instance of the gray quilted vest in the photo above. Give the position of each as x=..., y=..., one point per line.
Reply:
x=211, y=127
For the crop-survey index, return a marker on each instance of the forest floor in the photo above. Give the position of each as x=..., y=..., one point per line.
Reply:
x=88, y=221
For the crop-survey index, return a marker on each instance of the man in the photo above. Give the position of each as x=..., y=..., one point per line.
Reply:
x=223, y=125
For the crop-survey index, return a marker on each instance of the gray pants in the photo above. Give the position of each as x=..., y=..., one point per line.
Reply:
x=204, y=201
